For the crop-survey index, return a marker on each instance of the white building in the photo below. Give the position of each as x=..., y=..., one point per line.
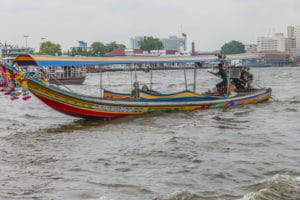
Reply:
x=275, y=43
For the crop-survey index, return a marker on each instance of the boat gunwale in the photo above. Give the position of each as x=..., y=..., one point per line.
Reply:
x=122, y=102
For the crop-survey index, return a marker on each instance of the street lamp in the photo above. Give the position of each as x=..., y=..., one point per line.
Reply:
x=26, y=37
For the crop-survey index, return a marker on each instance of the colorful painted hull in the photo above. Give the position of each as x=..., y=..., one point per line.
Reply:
x=68, y=81
x=93, y=107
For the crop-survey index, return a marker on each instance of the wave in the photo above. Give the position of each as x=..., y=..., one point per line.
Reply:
x=182, y=196
x=292, y=100
x=186, y=195
x=279, y=187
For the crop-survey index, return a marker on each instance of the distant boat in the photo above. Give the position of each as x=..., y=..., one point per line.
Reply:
x=59, y=75
x=63, y=75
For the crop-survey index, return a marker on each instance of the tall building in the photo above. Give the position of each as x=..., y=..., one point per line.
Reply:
x=135, y=42
x=297, y=36
x=293, y=40
x=291, y=32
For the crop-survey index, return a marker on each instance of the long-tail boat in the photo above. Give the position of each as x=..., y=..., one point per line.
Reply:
x=112, y=104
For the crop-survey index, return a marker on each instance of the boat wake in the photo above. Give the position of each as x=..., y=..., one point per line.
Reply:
x=293, y=100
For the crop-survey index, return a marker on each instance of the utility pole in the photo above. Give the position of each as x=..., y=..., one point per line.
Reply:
x=26, y=37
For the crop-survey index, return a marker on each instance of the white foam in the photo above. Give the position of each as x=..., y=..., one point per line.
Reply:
x=101, y=198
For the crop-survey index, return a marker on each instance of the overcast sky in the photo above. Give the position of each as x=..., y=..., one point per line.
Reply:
x=210, y=23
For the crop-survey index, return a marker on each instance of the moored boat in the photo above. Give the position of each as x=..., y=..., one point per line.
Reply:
x=64, y=75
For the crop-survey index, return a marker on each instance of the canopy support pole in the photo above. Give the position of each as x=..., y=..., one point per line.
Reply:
x=131, y=84
x=195, y=77
x=101, y=86
x=228, y=79
x=185, y=80
x=151, y=77
x=135, y=75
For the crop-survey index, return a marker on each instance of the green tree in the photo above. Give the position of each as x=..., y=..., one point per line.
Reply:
x=97, y=49
x=50, y=48
x=151, y=43
x=77, y=51
x=113, y=45
x=233, y=47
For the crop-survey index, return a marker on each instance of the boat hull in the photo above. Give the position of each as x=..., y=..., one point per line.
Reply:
x=92, y=107
x=68, y=81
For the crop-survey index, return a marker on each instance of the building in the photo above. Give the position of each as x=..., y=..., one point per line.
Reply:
x=164, y=52
x=83, y=45
x=294, y=37
x=291, y=32
x=13, y=51
x=139, y=52
x=275, y=43
x=125, y=52
x=170, y=43
x=290, y=45
x=297, y=36
x=135, y=42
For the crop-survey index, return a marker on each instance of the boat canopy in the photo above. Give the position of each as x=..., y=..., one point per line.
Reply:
x=47, y=61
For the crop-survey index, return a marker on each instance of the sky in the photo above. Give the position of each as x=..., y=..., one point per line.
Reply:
x=209, y=23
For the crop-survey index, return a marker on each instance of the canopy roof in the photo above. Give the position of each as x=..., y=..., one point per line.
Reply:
x=46, y=61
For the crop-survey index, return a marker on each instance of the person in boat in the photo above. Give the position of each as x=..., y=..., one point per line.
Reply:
x=145, y=88
x=246, y=78
x=221, y=86
x=135, y=94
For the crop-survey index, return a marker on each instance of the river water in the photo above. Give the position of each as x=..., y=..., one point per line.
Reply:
x=248, y=152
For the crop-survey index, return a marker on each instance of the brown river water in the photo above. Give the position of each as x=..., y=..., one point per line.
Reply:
x=249, y=152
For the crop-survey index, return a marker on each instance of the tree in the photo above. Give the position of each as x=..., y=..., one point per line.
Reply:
x=98, y=49
x=113, y=45
x=233, y=47
x=151, y=43
x=78, y=51
x=50, y=48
